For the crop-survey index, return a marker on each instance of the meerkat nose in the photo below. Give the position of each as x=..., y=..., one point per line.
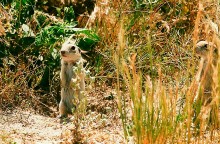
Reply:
x=62, y=52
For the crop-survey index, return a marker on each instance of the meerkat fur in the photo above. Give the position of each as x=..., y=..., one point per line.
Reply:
x=70, y=55
x=209, y=55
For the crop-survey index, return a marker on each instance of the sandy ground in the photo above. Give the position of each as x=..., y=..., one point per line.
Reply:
x=101, y=125
x=25, y=128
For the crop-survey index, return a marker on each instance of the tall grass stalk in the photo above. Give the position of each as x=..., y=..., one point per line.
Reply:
x=121, y=101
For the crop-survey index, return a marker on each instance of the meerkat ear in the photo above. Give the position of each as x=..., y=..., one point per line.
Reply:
x=82, y=51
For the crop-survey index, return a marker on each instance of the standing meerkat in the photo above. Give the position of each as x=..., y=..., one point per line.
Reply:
x=209, y=56
x=70, y=54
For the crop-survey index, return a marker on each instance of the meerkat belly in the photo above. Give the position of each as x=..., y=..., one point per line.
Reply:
x=68, y=98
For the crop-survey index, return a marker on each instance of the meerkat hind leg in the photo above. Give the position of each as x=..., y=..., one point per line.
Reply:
x=63, y=110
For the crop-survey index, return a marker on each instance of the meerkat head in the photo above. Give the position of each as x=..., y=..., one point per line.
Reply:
x=70, y=52
x=204, y=48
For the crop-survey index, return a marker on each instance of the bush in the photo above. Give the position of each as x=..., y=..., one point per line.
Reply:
x=30, y=44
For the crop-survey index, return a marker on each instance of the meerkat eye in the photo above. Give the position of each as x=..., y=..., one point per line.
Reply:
x=216, y=51
x=79, y=50
x=204, y=47
x=73, y=48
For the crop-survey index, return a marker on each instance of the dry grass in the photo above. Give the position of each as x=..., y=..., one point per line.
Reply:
x=17, y=91
x=158, y=41
x=148, y=56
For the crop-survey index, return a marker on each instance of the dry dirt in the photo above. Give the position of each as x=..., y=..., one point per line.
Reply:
x=101, y=125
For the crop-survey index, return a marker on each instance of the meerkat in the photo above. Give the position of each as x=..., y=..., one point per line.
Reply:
x=209, y=55
x=70, y=54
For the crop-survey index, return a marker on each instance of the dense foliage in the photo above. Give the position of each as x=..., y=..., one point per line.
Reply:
x=30, y=43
